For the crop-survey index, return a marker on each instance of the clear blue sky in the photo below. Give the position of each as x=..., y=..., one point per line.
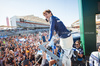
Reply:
x=66, y=10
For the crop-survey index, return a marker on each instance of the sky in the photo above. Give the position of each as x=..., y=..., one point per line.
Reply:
x=66, y=10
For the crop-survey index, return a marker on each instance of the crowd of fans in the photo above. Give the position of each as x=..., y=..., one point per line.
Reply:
x=15, y=50
x=22, y=50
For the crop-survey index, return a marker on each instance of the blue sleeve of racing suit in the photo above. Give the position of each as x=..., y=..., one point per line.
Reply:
x=52, y=25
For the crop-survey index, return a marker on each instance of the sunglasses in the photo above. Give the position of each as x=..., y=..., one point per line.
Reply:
x=76, y=44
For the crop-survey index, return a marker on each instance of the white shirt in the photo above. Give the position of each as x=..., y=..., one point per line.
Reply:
x=95, y=56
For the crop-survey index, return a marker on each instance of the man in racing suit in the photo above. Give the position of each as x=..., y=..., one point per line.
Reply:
x=66, y=40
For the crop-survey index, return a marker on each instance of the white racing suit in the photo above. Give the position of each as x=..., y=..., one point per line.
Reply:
x=94, y=59
x=66, y=44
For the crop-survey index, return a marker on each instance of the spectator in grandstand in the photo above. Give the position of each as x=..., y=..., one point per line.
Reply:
x=66, y=40
x=94, y=59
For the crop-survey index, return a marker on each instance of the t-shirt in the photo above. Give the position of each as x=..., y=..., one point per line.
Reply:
x=80, y=49
x=45, y=62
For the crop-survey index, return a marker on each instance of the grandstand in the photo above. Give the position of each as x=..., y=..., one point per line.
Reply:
x=29, y=21
x=24, y=25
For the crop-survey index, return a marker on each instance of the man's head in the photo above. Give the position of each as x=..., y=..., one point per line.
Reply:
x=98, y=48
x=77, y=44
x=47, y=14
